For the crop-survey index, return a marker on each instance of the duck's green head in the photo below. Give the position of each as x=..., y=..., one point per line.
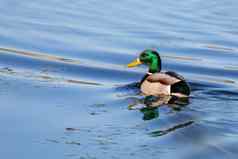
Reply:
x=150, y=58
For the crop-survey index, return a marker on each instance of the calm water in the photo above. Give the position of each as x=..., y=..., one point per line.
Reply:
x=65, y=88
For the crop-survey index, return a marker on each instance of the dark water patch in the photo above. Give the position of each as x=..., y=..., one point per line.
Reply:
x=72, y=129
x=72, y=143
x=157, y=133
x=65, y=142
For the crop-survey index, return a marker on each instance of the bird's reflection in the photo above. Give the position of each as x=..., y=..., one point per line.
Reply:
x=149, y=113
x=149, y=105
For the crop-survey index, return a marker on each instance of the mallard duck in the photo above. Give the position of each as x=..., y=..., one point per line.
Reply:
x=157, y=83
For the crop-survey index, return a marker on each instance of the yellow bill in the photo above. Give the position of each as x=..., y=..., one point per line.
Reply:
x=134, y=63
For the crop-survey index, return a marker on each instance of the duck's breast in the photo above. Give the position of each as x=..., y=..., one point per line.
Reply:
x=154, y=88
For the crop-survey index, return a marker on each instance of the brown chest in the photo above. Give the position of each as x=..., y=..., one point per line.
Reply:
x=154, y=88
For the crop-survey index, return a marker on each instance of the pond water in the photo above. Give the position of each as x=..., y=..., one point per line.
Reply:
x=65, y=89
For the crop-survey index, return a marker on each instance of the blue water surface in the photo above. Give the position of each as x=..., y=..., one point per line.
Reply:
x=65, y=90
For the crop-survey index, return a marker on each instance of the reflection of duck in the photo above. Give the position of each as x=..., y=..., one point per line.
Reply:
x=158, y=83
x=154, y=102
x=149, y=105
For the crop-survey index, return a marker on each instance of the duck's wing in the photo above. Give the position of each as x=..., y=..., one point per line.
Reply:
x=163, y=78
x=175, y=75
